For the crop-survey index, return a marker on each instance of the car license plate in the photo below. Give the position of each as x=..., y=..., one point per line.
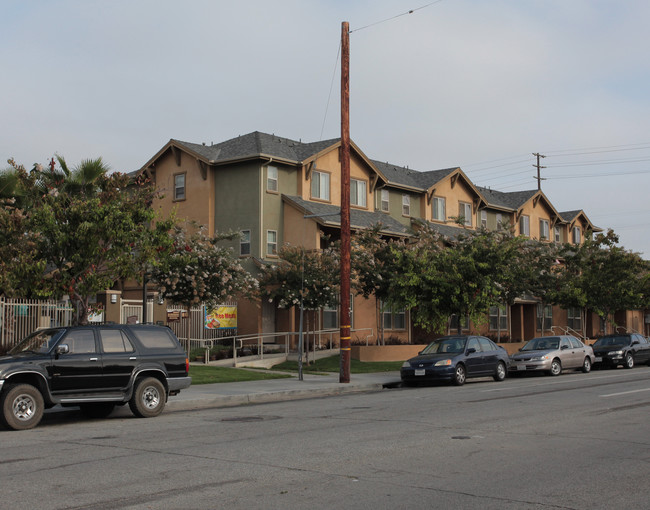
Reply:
x=521, y=367
x=419, y=371
x=598, y=359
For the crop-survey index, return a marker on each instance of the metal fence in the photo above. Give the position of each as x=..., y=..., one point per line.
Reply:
x=20, y=317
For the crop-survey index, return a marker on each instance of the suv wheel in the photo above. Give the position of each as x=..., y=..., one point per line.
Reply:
x=22, y=406
x=148, y=398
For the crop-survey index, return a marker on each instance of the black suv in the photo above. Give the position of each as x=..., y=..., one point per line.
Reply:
x=93, y=367
x=625, y=349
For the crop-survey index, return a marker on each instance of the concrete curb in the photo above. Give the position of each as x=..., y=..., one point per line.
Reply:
x=215, y=401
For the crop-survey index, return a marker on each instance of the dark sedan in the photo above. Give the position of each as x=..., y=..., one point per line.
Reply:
x=627, y=349
x=455, y=358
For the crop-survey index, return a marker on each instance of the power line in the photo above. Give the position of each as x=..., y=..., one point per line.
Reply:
x=329, y=96
x=581, y=176
x=397, y=16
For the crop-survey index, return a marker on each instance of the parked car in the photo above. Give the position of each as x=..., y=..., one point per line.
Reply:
x=93, y=367
x=626, y=349
x=552, y=354
x=455, y=358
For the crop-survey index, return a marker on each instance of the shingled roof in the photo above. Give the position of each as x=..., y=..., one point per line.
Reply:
x=511, y=200
x=327, y=214
x=257, y=144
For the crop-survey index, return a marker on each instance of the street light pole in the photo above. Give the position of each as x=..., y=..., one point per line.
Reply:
x=345, y=204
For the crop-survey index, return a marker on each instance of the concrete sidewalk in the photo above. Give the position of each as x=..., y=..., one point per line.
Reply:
x=202, y=396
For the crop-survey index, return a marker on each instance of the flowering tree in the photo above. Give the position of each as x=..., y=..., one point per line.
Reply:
x=78, y=231
x=197, y=270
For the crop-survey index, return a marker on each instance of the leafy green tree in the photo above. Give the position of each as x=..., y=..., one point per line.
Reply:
x=373, y=267
x=603, y=276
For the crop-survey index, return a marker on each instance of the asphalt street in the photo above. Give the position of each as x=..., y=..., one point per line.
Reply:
x=577, y=441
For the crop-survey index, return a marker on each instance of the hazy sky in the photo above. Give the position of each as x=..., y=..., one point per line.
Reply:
x=480, y=84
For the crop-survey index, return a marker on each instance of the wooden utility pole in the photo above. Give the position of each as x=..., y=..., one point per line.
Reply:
x=539, y=167
x=345, y=204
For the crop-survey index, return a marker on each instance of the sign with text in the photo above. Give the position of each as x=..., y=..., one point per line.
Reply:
x=221, y=317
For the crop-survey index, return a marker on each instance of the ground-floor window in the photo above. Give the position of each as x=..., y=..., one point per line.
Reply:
x=393, y=317
x=498, y=318
x=544, y=317
x=454, y=321
x=330, y=318
x=574, y=318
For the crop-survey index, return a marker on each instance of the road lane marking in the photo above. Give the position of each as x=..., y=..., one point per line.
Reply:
x=624, y=393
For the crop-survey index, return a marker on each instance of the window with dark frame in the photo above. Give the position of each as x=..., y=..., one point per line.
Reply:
x=245, y=242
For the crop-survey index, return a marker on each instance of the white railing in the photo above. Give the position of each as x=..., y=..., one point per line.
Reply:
x=275, y=343
x=566, y=330
x=20, y=317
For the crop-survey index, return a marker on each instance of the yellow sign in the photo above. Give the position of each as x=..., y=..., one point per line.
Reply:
x=221, y=317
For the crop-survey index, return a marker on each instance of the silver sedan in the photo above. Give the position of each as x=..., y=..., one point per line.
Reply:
x=552, y=354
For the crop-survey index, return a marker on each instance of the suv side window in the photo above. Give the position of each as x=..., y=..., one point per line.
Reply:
x=80, y=341
x=114, y=340
x=158, y=338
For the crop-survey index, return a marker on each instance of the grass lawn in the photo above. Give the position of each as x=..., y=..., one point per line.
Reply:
x=210, y=375
x=332, y=364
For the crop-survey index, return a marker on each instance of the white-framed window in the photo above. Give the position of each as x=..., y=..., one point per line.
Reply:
x=358, y=192
x=499, y=221
x=465, y=210
x=385, y=204
x=544, y=230
x=556, y=233
x=524, y=226
x=330, y=317
x=271, y=242
x=179, y=187
x=498, y=318
x=576, y=235
x=406, y=205
x=393, y=317
x=272, y=178
x=320, y=185
x=484, y=219
x=245, y=242
x=439, y=209
x=544, y=317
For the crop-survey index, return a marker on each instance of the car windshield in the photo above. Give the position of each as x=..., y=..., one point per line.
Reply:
x=39, y=341
x=542, y=344
x=451, y=345
x=613, y=340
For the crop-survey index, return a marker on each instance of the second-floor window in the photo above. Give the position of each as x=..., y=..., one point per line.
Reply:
x=406, y=205
x=499, y=221
x=439, y=209
x=524, y=226
x=484, y=219
x=320, y=185
x=385, y=204
x=357, y=192
x=245, y=242
x=556, y=231
x=179, y=187
x=543, y=230
x=576, y=235
x=271, y=242
x=465, y=211
x=272, y=178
